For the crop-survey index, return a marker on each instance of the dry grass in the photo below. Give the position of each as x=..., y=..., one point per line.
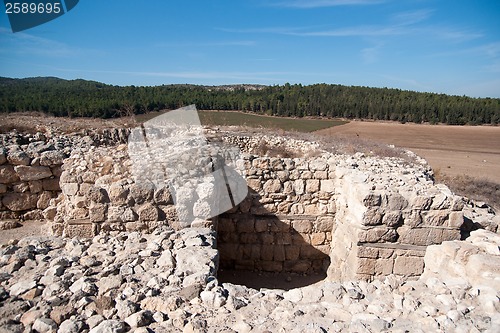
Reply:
x=479, y=189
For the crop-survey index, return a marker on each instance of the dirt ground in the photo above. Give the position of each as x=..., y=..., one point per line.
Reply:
x=453, y=150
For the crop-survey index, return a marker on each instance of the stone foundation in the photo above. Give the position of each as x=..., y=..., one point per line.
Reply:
x=355, y=217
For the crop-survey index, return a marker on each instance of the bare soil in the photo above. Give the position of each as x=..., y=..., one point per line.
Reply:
x=28, y=228
x=452, y=150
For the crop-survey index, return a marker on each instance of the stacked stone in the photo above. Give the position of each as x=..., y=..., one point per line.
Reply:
x=108, y=283
x=388, y=220
x=29, y=178
x=101, y=195
x=286, y=222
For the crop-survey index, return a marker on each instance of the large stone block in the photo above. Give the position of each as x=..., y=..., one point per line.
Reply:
x=8, y=174
x=245, y=225
x=52, y=157
x=408, y=266
x=312, y=185
x=302, y=226
x=327, y=185
x=324, y=224
x=272, y=186
x=292, y=252
x=27, y=173
x=20, y=201
x=372, y=217
x=148, y=212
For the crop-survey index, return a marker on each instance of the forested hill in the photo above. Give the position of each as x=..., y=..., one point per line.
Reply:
x=93, y=99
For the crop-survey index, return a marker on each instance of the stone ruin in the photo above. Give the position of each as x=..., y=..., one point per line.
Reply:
x=353, y=217
x=129, y=260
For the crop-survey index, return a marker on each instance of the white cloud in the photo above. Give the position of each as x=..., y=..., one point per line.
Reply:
x=325, y=3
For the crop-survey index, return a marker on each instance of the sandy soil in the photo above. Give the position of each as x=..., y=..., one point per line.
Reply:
x=454, y=150
x=28, y=228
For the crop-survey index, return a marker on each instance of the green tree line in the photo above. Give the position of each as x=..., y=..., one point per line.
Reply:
x=82, y=98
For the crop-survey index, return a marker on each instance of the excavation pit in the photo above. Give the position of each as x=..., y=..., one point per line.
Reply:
x=269, y=251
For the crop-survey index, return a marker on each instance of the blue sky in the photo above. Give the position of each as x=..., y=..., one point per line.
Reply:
x=424, y=45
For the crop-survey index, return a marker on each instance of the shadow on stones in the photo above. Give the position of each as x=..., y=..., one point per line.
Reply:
x=260, y=249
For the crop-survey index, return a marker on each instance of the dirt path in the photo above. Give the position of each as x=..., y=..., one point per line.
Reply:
x=454, y=150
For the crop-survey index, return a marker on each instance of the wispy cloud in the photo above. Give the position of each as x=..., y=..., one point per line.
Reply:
x=24, y=43
x=371, y=54
x=325, y=3
x=412, y=17
x=210, y=43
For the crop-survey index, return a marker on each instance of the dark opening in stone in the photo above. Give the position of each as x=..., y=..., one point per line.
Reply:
x=263, y=250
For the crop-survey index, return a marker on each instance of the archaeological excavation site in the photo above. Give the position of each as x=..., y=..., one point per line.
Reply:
x=209, y=233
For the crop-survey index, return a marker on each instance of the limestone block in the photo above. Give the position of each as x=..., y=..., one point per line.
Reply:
x=297, y=209
x=148, y=212
x=44, y=200
x=366, y=266
x=267, y=252
x=456, y=219
x=67, y=177
x=97, y=212
x=254, y=184
x=35, y=186
x=18, y=157
x=299, y=186
x=27, y=173
x=302, y=226
x=318, y=165
x=279, y=253
x=20, y=201
x=3, y=189
x=98, y=195
x=372, y=200
x=311, y=209
x=306, y=175
x=441, y=201
x=69, y=189
x=284, y=207
x=367, y=252
x=396, y=201
x=272, y=186
x=266, y=237
x=384, y=266
x=320, y=175
x=8, y=174
x=118, y=194
x=312, y=185
x=420, y=236
x=408, y=266
x=21, y=187
x=292, y=252
x=283, y=238
x=378, y=234
x=52, y=157
x=372, y=217
x=299, y=239
x=324, y=224
x=392, y=219
x=412, y=218
x=249, y=238
x=318, y=238
x=51, y=184
x=421, y=202
x=327, y=185
x=436, y=217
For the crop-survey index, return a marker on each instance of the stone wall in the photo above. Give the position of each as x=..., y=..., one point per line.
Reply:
x=286, y=222
x=29, y=177
x=366, y=216
x=387, y=215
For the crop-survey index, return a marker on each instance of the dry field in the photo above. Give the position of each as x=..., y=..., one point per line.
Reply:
x=454, y=150
x=466, y=158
